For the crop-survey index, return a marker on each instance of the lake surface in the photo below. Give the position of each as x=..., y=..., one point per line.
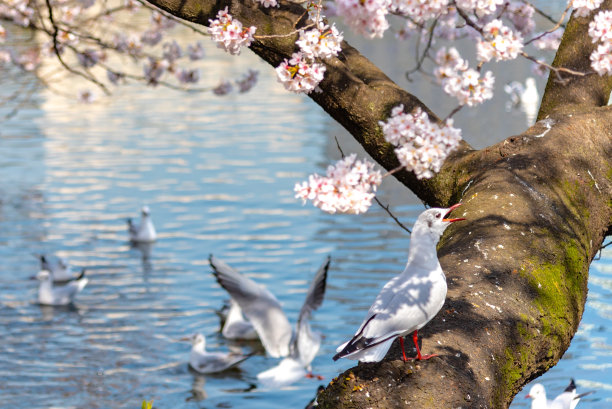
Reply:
x=218, y=174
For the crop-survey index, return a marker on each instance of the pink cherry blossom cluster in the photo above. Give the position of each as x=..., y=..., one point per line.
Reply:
x=479, y=7
x=419, y=11
x=421, y=145
x=458, y=80
x=349, y=186
x=300, y=74
x=584, y=7
x=600, y=30
x=247, y=81
x=321, y=42
x=19, y=12
x=498, y=42
x=229, y=34
x=367, y=17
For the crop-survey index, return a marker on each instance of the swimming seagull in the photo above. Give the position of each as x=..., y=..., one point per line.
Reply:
x=408, y=301
x=264, y=312
x=51, y=294
x=567, y=400
x=210, y=362
x=145, y=231
x=236, y=326
x=305, y=343
x=61, y=271
x=526, y=96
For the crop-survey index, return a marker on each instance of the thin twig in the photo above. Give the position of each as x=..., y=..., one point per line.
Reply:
x=61, y=60
x=453, y=112
x=541, y=12
x=557, y=25
x=550, y=67
x=385, y=208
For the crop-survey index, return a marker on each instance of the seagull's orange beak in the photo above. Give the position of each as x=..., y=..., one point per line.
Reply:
x=453, y=207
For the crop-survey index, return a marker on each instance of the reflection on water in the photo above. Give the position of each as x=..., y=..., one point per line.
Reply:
x=218, y=175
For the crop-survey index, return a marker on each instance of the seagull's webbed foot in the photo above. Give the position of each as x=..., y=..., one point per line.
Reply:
x=310, y=375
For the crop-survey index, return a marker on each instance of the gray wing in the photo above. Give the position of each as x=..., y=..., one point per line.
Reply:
x=306, y=343
x=258, y=305
x=316, y=292
x=217, y=362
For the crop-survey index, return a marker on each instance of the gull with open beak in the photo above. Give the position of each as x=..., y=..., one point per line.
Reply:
x=408, y=301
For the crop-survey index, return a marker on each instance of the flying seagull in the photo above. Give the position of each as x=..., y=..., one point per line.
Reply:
x=305, y=343
x=567, y=400
x=204, y=361
x=264, y=312
x=145, y=231
x=236, y=326
x=51, y=294
x=408, y=301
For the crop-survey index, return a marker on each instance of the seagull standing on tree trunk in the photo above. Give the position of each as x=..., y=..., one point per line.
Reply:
x=408, y=301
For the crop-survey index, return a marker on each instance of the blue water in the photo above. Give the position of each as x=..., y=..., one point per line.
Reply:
x=218, y=175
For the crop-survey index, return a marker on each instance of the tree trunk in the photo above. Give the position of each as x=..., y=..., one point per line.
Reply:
x=538, y=207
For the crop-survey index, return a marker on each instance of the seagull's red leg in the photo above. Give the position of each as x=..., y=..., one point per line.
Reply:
x=402, y=345
x=415, y=339
x=310, y=375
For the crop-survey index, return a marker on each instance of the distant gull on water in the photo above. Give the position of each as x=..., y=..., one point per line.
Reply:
x=51, y=294
x=204, y=361
x=145, y=231
x=408, y=301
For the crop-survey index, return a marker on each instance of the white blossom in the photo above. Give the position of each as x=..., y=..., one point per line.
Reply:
x=348, y=187
x=420, y=145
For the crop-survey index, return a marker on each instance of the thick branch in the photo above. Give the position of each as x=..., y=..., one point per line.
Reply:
x=517, y=271
x=575, y=93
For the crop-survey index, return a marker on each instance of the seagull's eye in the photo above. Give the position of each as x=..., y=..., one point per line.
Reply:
x=438, y=215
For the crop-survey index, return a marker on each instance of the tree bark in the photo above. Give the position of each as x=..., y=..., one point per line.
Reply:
x=538, y=207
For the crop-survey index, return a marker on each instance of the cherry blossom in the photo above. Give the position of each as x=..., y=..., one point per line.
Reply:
x=584, y=7
x=499, y=42
x=300, y=75
x=248, y=81
x=480, y=7
x=86, y=96
x=600, y=30
x=195, y=51
x=462, y=82
x=224, y=88
x=348, y=187
x=229, y=34
x=322, y=42
x=186, y=76
x=601, y=59
x=420, y=145
x=367, y=17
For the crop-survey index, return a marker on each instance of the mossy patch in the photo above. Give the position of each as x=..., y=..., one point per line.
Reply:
x=558, y=293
